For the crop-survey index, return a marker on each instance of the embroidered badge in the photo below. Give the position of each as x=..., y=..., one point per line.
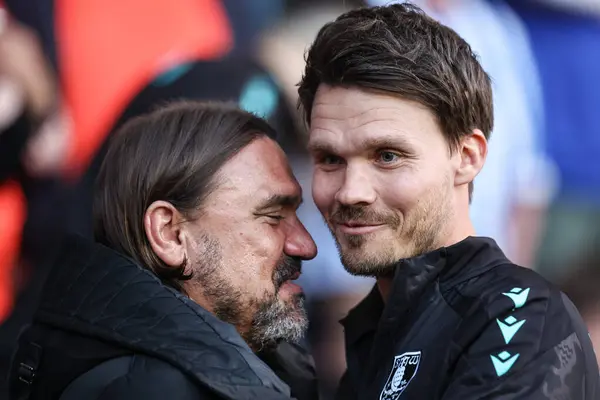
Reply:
x=404, y=370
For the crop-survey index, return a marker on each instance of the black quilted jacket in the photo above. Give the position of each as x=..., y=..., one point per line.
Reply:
x=108, y=329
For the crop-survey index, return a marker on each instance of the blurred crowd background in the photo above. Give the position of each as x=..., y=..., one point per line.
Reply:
x=81, y=68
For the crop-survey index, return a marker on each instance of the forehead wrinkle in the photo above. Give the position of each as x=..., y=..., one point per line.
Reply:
x=360, y=119
x=382, y=113
x=224, y=185
x=373, y=121
x=389, y=133
x=339, y=107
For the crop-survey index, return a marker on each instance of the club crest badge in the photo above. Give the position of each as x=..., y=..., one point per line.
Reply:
x=404, y=370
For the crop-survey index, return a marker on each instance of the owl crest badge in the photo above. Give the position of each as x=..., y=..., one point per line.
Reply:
x=404, y=370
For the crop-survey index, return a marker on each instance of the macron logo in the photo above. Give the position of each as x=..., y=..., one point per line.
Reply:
x=518, y=296
x=503, y=362
x=509, y=327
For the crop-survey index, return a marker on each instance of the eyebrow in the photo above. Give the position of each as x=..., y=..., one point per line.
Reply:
x=383, y=142
x=279, y=200
x=320, y=147
x=390, y=142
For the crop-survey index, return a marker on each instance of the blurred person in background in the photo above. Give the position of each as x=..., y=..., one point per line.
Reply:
x=33, y=134
x=198, y=243
x=564, y=37
x=400, y=112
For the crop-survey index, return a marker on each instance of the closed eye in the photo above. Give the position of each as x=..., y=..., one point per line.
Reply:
x=275, y=219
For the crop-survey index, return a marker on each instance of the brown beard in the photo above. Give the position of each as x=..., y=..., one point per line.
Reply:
x=422, y=233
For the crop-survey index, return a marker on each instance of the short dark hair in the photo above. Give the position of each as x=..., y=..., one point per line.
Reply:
x=171, y=154
x=399, y=50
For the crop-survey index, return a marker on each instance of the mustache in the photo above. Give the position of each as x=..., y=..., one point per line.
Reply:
x=363, y=215
x=286, y=269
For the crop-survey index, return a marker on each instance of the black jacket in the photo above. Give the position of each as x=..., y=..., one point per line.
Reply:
x=464, y=323
x=108, y=329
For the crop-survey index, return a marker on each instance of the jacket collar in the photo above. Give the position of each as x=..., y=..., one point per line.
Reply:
x=99, y=293
x=450, y=265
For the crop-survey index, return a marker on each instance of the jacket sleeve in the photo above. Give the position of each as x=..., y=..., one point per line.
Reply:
x=151, y=386
x=134, y=378
x=532, y=345
x=173, y=386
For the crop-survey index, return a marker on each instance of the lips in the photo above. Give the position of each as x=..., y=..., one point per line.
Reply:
x=354, y=224
x=288, y=286
x=358, y=228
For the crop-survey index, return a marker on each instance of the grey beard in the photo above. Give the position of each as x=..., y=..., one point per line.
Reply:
x=277, y=321
x=273, y=321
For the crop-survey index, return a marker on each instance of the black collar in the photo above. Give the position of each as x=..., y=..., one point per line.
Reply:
x=451, y=265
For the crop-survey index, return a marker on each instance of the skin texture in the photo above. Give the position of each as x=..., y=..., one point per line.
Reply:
x=387, y=182
x=244, y=246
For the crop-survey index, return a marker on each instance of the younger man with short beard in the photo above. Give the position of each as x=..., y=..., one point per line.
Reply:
x=400, y=112
x=195, y=213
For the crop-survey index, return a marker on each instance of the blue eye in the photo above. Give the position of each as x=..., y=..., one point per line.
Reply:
x=388, y=157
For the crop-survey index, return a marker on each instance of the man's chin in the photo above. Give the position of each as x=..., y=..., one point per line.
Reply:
x=294, y=307
x=282, y=320
x=362, y=262
x=366, y=271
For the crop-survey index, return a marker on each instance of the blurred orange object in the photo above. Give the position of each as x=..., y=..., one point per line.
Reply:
x=12, y=218
x=108, y=50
